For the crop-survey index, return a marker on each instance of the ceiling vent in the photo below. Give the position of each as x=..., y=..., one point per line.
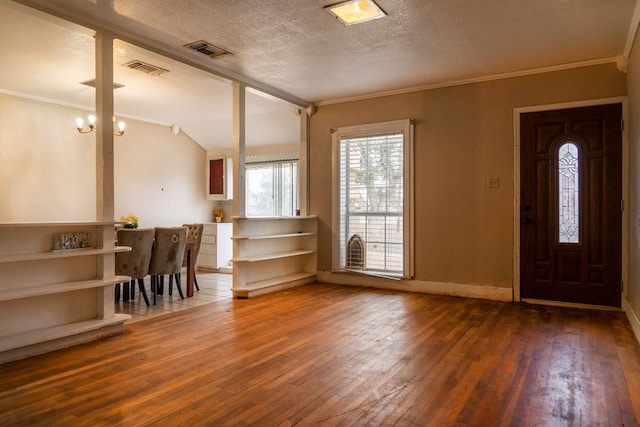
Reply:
x=145, y=67
x=207, y=48
x=92, y=83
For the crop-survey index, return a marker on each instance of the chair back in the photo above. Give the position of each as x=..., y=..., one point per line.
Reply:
x=168, y=251
x=134, y=263
x=194, y=233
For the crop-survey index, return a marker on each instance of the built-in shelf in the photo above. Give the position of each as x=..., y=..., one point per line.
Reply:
x=273, y=253
x=50, y=299
x=58, y=224
x=273, y=236
x=58, y=332
x=67, y=253
x=54, y=288
x=274, y=284
x=279, y=255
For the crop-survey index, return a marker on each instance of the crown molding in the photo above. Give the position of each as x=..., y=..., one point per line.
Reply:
x=472, y=80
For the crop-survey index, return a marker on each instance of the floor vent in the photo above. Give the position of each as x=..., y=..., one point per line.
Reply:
x=356, y=253
x=92, y=83
x=207, y=48
x=145, y=67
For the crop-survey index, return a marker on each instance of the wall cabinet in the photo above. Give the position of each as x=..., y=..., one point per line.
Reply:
x=215, y=248
x=219, y=183
x=271, y=254
x=51, y=299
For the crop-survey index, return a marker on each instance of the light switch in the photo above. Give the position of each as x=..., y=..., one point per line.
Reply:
x=493, y=182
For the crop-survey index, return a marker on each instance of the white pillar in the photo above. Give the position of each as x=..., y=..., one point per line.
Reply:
x=239, y=106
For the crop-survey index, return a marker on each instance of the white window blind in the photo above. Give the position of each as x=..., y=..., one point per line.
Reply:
x=374, y=199
x=271, y=188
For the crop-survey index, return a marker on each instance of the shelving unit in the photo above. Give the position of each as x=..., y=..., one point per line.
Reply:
x=53, y=299
x=274, y=253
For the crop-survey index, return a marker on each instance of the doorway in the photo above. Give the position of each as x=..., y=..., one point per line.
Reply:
x=570, y=205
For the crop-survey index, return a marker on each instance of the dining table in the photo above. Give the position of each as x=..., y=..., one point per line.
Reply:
x=191, y=274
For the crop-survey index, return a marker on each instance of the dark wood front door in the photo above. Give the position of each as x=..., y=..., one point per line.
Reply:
x=570, y=206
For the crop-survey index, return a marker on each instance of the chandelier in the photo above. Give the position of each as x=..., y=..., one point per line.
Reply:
x=92, y=125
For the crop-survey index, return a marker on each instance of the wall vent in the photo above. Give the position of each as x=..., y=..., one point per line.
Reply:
x=207, y=48
x=92, y=83
x=145, y=67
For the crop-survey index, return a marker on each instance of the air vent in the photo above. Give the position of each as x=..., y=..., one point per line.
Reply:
x=145, y=68
x=207, y=48
x=92, y=83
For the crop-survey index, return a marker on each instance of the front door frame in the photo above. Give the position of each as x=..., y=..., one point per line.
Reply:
x=516, y=187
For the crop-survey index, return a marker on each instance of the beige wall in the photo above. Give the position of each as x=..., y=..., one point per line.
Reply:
x=633, y=128
x=463, y=135
x=47, y=169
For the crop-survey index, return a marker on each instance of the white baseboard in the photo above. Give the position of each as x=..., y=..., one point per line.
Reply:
x=633, y=318
x=427, y=287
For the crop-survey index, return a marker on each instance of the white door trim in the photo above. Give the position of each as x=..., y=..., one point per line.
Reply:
x=516, y=183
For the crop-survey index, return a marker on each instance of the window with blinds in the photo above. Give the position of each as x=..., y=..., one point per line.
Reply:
x=271, y=188
x=374, y=200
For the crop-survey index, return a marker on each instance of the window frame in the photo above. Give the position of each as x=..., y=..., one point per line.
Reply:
x=295, y=202
x=405, y=127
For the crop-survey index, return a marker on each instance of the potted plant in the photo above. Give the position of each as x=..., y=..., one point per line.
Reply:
x=131, y=221
x=218, y=215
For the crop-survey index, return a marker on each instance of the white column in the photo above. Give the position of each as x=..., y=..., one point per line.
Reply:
x=105, y=265
x=239, y=95
x=303, y=164
x=104, y=127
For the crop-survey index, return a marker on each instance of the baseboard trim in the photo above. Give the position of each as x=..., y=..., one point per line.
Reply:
x=570, y=304
x=632, y=317
x=427, y=287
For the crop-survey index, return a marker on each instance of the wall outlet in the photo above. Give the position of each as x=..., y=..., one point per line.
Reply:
x=493, y=182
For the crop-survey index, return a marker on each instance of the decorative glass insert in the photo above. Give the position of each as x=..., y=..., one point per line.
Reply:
x=568, y=193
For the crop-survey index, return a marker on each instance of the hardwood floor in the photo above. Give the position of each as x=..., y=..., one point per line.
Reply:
x=213, y=287
x=331, y=355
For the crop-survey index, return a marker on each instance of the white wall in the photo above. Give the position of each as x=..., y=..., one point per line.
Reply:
x=47, y=169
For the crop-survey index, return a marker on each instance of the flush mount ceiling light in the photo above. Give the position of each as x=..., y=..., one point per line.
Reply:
x=356, y=11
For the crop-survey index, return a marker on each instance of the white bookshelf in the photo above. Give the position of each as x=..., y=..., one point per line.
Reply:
x=273, y=253
x=51, y=299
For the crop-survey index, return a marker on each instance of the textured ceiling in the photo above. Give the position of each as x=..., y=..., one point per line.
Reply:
x=297, y=50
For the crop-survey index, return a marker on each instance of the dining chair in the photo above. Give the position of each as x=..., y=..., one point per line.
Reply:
x=134, y=263
x=167, y=256
x=194, y=234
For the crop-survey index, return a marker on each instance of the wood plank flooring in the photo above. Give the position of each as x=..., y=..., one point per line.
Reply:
x=332, y=355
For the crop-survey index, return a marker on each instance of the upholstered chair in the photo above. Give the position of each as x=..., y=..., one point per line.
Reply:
x=134, y=263
x=194, y=234
x=167, y=256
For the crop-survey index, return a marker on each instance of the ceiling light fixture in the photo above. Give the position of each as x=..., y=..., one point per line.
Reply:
x=92, y=125
x=356, y=11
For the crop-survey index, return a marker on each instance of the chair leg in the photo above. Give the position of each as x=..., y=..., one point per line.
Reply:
x=125, y=292
x=142, y=291
x=160, y=285
x=195, y=282
x=132, y=291
x=154, y=287
x=117, y=292
x=178, y=285
x=170, y=284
